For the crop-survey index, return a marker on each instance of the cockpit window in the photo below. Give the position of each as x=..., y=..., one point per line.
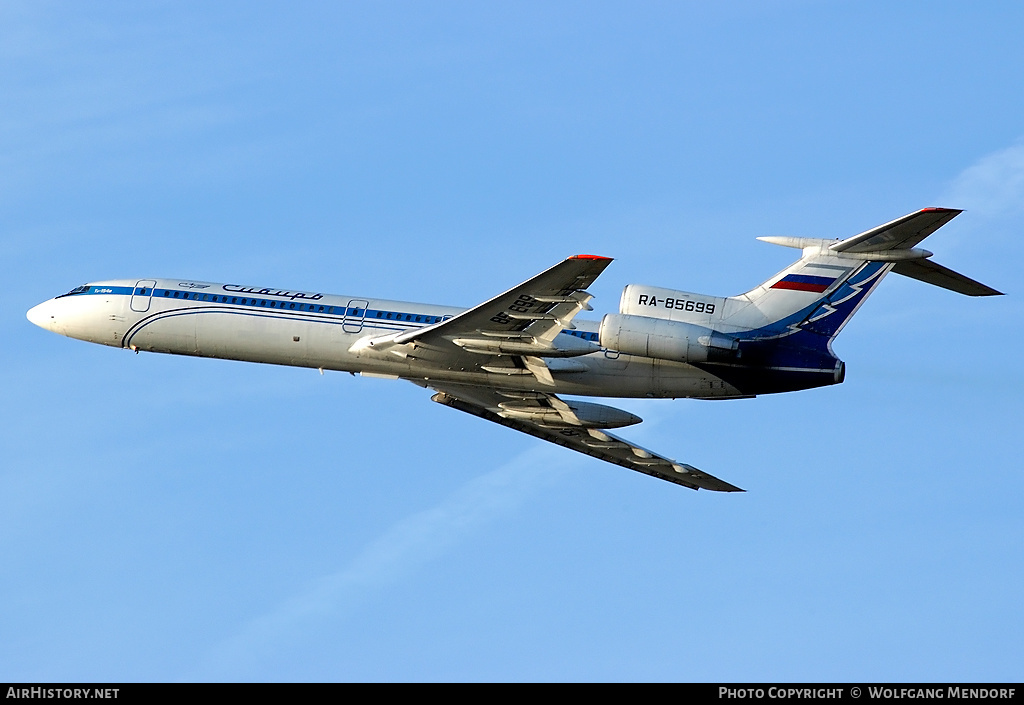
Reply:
x=84, y=289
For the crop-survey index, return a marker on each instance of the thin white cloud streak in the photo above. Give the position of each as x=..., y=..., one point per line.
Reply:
x=406, y=546
x=992, y=186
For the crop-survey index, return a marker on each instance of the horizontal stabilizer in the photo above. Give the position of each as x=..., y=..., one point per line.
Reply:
x=900, y=234
x=895, y=242
x=932, y=273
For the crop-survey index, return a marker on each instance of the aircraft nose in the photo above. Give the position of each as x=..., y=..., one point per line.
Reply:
x=42, y=315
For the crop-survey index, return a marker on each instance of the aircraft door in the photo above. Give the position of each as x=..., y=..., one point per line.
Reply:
x=142, y=294
x=354, y=315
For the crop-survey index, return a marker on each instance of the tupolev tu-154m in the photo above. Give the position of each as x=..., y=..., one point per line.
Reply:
x=508, y=359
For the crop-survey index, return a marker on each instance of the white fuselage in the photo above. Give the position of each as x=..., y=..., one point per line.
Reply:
x=288, y=327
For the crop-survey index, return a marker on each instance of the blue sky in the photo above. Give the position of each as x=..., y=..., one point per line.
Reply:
x=168, y=518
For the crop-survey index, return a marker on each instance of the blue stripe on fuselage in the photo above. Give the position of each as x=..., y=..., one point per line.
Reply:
x=321, y=313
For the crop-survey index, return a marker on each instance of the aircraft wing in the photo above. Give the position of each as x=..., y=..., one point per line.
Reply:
x=572, y=425
x=539, y=307
x=513, y=332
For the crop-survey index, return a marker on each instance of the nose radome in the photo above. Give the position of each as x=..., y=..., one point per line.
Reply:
x=41, y=315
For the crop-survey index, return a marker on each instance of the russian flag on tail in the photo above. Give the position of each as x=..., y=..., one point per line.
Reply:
x=804, y=282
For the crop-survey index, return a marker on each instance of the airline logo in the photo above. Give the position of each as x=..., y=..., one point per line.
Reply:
x=804, y=282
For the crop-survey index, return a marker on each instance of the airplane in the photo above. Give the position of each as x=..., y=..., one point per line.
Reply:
x=509, y=359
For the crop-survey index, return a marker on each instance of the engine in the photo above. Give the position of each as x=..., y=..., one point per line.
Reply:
x=666, y=340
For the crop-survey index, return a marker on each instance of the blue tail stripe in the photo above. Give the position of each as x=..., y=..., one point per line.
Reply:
x=824, y=317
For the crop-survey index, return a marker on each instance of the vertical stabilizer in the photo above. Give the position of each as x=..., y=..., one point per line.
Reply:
x=818, y=294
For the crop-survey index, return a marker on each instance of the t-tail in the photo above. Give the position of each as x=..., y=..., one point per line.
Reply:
x=778, y=336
